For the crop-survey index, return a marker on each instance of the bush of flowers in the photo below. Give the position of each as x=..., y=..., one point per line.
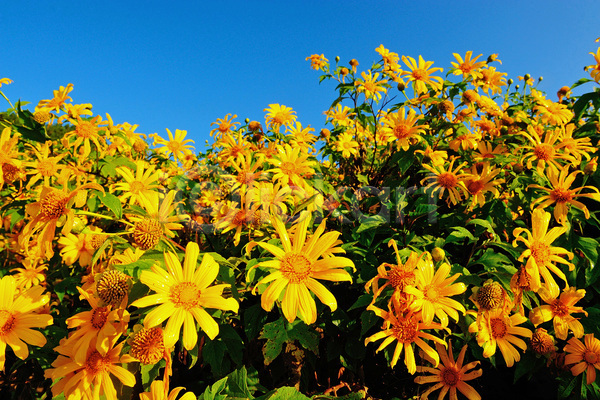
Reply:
x=438, y=237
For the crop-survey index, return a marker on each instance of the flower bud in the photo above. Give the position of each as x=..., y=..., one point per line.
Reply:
x=438, y=254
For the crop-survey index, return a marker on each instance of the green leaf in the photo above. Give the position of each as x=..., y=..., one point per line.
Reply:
x=371, y=222
x=213, y=354
x=254, y=318
x=150, y=372
x=493, y=261
x=306, y=336
x=284, y=393
x=214, y=392
x=276, y=336
x=113, y=203
x=458, y=234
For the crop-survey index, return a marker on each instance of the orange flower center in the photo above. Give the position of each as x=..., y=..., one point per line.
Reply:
x=10, y=172
x=136, y=187
x=418, y=74
x=112, y=287
x=431, y=292
x=560, y=195
x=369, y=87
x=96, y=363
x=147, y=233
x=475, y=186
x=186, y=295
x=245, y=177
x=174, y=146
x=148, y=345
x=46, y=168
x=288, y=168
x=401, y=131
x=96, y=240
x=544, y=152
x=400, y=277
x=86, y=129
x=498, y=327
x=296, y=267
x=53, y=206
x=559, y=309
x=447, y=180
x=450, y=377
x=540, y=253
x=405, y=331
x=490, y=296
x=240, y=218
x=99, y=316
x=590, y=357
x=280, y=118
x=541, y=342
x=7, y=321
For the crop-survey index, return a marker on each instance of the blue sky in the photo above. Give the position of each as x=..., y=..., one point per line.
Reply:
x=181, y=65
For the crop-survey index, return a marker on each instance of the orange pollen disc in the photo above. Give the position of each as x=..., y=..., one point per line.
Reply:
x=475, y=186
x=10, y=172
x=498, y=328
x=148, y=345
x=97, y=240
x=96, y=363
x=432, y=293
x=288, y=168
x=296, y=267
x=136, y=187
x=401, y=131
x=53, y=206
x=369, y=87
x=560, y=195
x=400, y=277
x=591, y=357
x=224, y=127
x=541, y=342
x=347, y=145
x=147, y=233
x=112, y=287
x=418, y=74
x=405, y=331
x=245, y=177
x=7, y=321
x=544, y=152
x=42, y=116
x=559, y=309
x=450, y=376
x=540, y=253
x=99, y=316
x=185, y=295
x=447, y=180
x=86, y=130
x=490, y=296
x=465, y=68
x=280, y=118
x=46, y=168
x=240, y=218
x=174, y=146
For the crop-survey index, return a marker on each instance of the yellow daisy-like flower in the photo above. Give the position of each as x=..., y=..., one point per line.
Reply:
x=45, y=167
x=317, y=62
x=370, y=86
x=559, y=310
x=402, y=129
x=177, y=145
x=419, y=75
x=436, y=157
x=18, y=315
x=278, y=115
x=297, y=268
x=545, y=151
x=347, y=145
x=291, y=166
x=579, y=148
x=56, y=103
x=585, y=356
x=480, y=181
x=406, y=329
x=224, y=126
x=31, y=274
x=160, y=389
x=80, y=247
x=5, y=81
x=340, y=115
x=446, y=179
x=553, y=113
x=540, y=253
x=491, y=80
x=432, y=291
x=85, y=133
x=501, y=331
x=450, y=375
x=561, y=194
x=594, y=70
x=182, y=294
x=467, y=67
x=140, y=185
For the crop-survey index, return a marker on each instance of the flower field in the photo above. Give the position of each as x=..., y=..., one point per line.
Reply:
x=438, y=238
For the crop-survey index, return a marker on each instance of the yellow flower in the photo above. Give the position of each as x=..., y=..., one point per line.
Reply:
x=559, y=310
x=450, y=375
x=5, y=81
x=501, y=331
x=579, y=148
x=140, y=186
x=45, y=167
x=278, y=115
x=291, y=166
x=370, y=86
x=18, y=314
x=86, y=132
x=60, y=97
x=159, y=390
x=540, y=253
x=585, y=356
x=594, y=70
x=468, y=66
x=544, y=152
x=432, y=291
x=347, y=145
x=317, y=62
x=419, y=75
x=406, y=329
x=297, y=267
x=301, y=137
x=224, y=126
x=480, y=181
x=80, y=247
x=92, y=378
x=553, y=113
x=31, y=274
x=446, y=179
x=491, y=80
x=9, y=156
x=176, y=145
x=340, y=116
x=182, y=294
x=402, y=129
x=436, y=157
x=561, y=194
x=269, y=197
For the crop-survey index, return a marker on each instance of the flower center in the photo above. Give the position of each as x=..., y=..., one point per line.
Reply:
x=174, y=146
x=369, y=87
x=450, y=376
x=498, y=328
x=112, y=287
x=99, y=316
x=590, y=357
x=53, y=206
x=541, y=342
x=560, y=195
x=475, y=187
x=540, y=253
x=405, y=331
x=46, y=168
x=136, y=187
x=418, y=74
x=296, y=267
x=559, y=309
x=148, y=345
x=280, y=118
x=10, y=172
x=431, y=292
x=147, y=233
x=288, y=168
x=490, y=296
x=86, y=129
x=400, y=277
x=186, y=295
x=7, y=321
x=96, y=363
x=447, y=180
x=401, y=131
x=96, y=240
x=543, y=152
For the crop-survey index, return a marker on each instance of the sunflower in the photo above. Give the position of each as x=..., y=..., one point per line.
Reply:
x=370, y=86
x=224, y=126
x=278, y=115
x=402, y=129
x=585, y=356
x=139, y=185
x=540, y=253
x=291, y=166
x=183, y=294
x=419, y=75
x=406, y=329
x=450, y=375
x=18, y=314
x=347, y=145
x=501, y=331
x=469, y=67
x=446, y=178
x=561, y=194
x=559, y=310
x=177, y=145
x=297, y=267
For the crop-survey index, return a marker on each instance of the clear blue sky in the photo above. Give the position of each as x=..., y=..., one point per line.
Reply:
x=182, y=64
